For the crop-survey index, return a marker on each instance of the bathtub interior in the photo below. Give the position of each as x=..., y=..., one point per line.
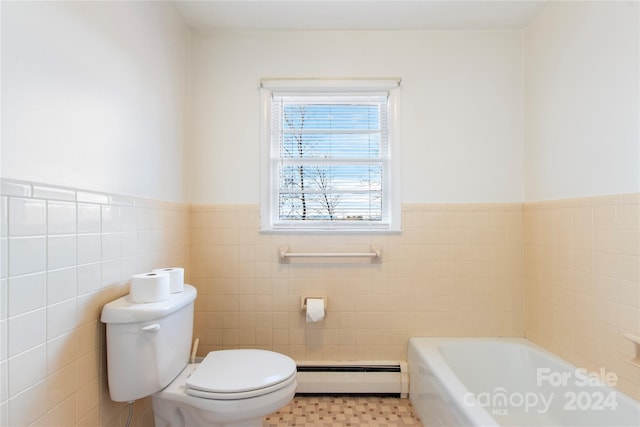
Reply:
x=500, y=364
x=501, y=374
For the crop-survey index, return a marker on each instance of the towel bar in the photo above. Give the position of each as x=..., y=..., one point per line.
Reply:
x=284, y=253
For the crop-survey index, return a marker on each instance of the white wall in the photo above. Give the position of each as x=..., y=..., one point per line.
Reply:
x=582, y=100
x=94, y=96
x=461, y=106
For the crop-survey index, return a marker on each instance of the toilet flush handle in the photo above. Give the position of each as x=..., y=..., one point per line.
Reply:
x=151, y=328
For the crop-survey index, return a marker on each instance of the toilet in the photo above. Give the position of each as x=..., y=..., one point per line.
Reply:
x=148, y=349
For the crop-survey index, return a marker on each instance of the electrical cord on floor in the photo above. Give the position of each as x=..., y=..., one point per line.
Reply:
x=130, y=413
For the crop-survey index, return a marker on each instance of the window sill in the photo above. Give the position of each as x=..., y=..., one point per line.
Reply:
x=328, y=231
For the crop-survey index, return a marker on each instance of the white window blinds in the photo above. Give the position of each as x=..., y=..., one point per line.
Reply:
x=329, y=153
x=329, y=160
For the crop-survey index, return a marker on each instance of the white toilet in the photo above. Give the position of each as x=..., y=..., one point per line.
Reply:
x=148, y=349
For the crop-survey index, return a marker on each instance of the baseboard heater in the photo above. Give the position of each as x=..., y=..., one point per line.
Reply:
x=362, y=377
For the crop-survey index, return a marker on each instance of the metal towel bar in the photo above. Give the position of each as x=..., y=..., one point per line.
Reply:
x=375, y=254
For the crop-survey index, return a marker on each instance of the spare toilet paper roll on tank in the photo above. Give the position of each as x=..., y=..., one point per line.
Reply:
x=315, y=309
x=176, y=278
x=149, y=287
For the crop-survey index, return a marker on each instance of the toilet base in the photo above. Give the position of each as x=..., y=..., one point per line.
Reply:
x=187, y=416
x=173, y=407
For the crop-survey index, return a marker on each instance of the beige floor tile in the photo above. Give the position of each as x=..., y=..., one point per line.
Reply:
x=334, y=411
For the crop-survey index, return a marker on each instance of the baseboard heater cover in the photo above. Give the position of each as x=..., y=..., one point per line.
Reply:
x=361, y=377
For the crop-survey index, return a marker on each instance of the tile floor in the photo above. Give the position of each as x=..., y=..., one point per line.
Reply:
x=354, y=411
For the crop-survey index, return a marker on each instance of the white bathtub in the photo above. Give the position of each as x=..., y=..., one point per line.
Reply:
x=509, y=382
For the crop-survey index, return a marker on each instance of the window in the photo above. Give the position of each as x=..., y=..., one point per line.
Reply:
x=327, y=159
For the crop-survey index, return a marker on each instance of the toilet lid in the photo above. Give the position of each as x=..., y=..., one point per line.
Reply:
x=238, y=371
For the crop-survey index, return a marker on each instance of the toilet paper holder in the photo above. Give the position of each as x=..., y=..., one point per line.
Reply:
x=303, y=302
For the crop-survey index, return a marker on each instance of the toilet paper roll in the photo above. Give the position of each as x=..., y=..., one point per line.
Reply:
x=149, y=287
x=176, y=278
x=315, y=309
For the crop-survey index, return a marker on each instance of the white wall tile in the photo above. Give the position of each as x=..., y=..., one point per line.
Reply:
x=90, y=197
x=111, y=246
x=88, y=218
x=129, y=243
x=4, y=293
x=61, y=318
x=53, y=193
x=121, y=200
x=145, y=218
x=89, y=248
x=61, y=251
x=14, y=188
x=4, y=414
x=26, y=331
x=4, y=224
x=4, y=257
x=27, y=255
x=4, y=343
x=61, y=218
x=129, y=218
x=27, y=293
x=111, y=219
x=27, y=217
x=4, y=381
x=89, y=278
x=145, y=241
x=26, y=369
x=111, y=272
x=129, y=267
x=61, y=284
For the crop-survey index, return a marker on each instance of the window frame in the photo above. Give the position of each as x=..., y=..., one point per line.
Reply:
x=269, y=187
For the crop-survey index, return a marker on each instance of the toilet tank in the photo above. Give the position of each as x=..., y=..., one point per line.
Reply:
x=148, y=345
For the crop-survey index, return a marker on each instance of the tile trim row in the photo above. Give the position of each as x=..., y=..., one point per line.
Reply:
x=34, y=190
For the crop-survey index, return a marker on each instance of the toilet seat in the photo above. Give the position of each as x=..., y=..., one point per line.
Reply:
x=240, y=374
x=240, y=395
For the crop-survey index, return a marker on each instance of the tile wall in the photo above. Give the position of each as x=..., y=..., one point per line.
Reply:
x=65, y=253
x=583, y=281
x=455, y=270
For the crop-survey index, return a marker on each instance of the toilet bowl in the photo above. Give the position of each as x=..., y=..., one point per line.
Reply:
x=229, y=388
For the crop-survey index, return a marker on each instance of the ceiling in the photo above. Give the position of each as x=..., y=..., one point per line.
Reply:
x=358, y=14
